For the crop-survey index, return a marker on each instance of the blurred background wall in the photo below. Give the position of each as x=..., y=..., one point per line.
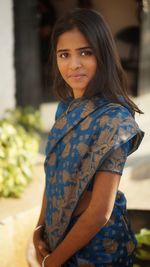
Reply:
x=7, y=72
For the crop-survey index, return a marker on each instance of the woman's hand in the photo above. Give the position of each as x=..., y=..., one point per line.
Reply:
x=39, y=245
x=48, y=261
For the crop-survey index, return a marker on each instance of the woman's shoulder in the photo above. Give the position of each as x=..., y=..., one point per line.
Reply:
x=62, y=106
x=112, y=109
x=120, y=110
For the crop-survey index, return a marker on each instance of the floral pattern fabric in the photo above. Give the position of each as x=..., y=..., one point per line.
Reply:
x=115, y=162
x=85, y=133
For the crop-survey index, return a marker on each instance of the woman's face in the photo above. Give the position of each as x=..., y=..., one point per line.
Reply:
x=75, y=60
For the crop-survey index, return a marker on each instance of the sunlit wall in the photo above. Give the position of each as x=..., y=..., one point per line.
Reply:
x=7, y=81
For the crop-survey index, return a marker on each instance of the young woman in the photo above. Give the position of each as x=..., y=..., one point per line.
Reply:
x=83, y=220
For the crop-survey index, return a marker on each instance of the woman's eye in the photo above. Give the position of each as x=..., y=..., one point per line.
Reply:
x=63, y=55
x=86, y=53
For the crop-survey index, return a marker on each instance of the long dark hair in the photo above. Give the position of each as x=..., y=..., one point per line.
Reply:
x=110, y=80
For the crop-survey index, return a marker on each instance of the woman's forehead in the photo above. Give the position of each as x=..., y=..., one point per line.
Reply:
x=72, y=39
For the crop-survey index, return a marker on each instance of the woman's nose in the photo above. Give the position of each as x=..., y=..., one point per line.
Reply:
x=75, y=63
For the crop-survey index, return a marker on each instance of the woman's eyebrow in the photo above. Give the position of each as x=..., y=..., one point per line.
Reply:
x=83, y=48
x=62, y=50
x=78, y=49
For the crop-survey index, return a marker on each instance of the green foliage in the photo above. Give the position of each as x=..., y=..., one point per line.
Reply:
x=143, y=250
x=28, y=117
x=19, y=144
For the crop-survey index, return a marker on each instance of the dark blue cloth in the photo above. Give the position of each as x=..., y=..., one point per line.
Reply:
x=89, y=136
x=115, y=161
x=119, y=155
x=113, y=246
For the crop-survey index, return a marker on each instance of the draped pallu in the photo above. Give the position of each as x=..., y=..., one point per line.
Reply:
x=79, y=141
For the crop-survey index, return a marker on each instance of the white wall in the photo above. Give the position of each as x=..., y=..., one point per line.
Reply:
x=7, y=80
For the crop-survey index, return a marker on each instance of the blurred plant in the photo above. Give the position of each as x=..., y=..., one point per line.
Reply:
x=143, y=249
x=19, y=144
x=28, y=117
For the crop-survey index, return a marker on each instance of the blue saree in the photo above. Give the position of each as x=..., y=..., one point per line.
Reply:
x=84, y=135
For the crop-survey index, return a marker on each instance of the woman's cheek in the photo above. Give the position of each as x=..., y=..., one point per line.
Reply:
x=62, y=68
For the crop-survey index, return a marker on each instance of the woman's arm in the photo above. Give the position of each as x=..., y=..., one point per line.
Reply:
x=42, y=212
x=89, y=223
x=37, y=235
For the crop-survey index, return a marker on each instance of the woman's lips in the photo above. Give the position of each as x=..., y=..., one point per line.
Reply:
x=77, y=76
